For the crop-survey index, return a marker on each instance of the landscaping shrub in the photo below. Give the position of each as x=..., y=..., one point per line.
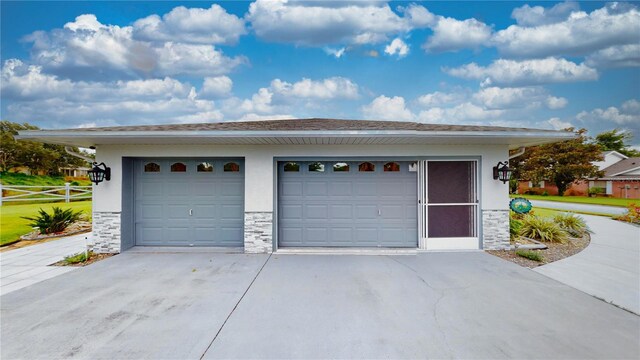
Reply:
x=78, y=258
x=545, y=193
x=542, y=229
x=514, y=226
x=56, y=222
x=632, y=215
x=594, y=191
x=530, y=254
x=572, y=223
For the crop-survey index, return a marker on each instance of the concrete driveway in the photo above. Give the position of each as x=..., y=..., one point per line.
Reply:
x=609, y=268
x=193, y=305
x=600, y=209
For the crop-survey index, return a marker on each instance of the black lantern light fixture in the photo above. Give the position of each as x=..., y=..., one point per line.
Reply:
x=502, y=171
x=99, y=173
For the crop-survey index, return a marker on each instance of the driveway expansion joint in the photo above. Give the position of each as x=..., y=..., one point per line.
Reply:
x=235, y=307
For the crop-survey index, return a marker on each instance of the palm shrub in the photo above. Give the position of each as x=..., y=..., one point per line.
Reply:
x=56, y=222
x=514, y=227
x=572, y=223
x=542, y=229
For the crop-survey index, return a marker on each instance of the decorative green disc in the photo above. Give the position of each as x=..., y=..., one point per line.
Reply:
x=520, y=205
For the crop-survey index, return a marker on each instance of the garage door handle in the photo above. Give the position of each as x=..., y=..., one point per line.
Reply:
x=379, y=212
x=190, y=212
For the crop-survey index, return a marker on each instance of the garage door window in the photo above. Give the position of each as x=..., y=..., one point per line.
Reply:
x=316, y=167
x=231, y=167
x=151, y=168
x=341, y=167
x=391, y=167
x=204, y=167
x=291, y=167
x=178, y=167
x=366, y=167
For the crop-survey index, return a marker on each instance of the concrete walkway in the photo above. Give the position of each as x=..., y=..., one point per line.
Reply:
x=600, y=209
x=29, y=265
x=609, y=268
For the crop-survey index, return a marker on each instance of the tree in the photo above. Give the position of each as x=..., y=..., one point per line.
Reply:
x=616, y=140
x=560, y=163
x=35, y=156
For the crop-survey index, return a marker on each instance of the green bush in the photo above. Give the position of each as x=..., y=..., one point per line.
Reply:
x=514, y=227
x=545, y=193
x=542, y=229
x=572, y=223
x=530, y=254
x=56, y=222
x=593, y=191
x=77, y=258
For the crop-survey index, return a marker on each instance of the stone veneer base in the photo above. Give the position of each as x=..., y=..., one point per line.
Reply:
x=258, y=232
x=106, y=232
x=495, y=229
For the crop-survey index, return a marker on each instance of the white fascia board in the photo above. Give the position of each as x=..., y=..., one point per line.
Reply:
x=41, y=134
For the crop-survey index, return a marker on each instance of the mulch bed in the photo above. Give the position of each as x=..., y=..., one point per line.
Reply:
x=93, y=258
x=555, y=252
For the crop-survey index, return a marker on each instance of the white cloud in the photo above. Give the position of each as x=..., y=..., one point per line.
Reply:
x=526, y=72
x=87, y=49
x=216, y=87
x=450, y=34
x=628, y=114
x=438, y=98
x=581, y=33
x=616, y=56
x=397, y=46
x=386, y=108
x=178, y=59
x=326, y=23
x=195, y=25
x=537, y=15
x=554, y=103
x=558, y=124
x=39, y=97
x=329, y=88
x=335, y=52
x=465, y=113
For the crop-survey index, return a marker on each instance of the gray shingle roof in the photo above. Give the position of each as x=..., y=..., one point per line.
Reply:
x=623, y=165
x=305, y=125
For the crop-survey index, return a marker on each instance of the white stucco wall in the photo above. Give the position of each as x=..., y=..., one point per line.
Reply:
x=259, y=169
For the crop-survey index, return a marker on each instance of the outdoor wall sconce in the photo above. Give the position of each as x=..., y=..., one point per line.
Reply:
x=502, y=172
x=97, y=174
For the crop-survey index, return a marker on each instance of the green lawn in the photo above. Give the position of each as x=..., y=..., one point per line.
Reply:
x=9, y=178
x=582, y=200
x=12, y=226
x=552, y=212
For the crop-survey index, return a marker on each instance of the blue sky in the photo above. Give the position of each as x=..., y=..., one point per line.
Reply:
x=523, y=64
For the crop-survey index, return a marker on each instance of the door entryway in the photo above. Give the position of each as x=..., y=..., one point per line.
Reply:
x=448, y=204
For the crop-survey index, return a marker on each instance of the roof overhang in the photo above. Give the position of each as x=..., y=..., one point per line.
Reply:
x=513, y=139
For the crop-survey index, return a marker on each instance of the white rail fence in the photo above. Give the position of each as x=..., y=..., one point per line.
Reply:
x=67, y=193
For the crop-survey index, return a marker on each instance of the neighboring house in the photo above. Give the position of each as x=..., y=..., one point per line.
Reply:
x=75, y=171
x=268, y=185
x=621, y=179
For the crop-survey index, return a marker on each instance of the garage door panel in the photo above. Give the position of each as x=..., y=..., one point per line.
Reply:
x=291, y=212
x=347, y=208
x=340, y=188
x=340, y=212
x=341, y=235
x=316, y=212
x=291, y=188
x=316, y=188
x=163, y=200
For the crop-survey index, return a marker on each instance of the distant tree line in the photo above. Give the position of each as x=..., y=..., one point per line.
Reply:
x=564, y=162
x=37, y=157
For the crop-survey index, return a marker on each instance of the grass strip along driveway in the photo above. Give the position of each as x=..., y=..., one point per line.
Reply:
x=582, y=200
x=12, y=225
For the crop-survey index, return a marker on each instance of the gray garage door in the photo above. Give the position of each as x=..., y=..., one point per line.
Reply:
x=189, y=202
x=347, y=204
